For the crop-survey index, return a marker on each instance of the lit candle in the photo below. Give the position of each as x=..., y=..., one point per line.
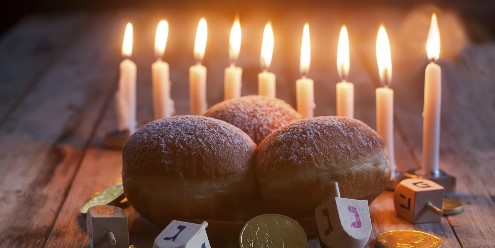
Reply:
x=304, y=86
x=266, y=80
x=125, y=97
x=432, y=102
x=197, y=73
x=233, y=73
x=163, y=105
x=385, y=96
x=345, y=90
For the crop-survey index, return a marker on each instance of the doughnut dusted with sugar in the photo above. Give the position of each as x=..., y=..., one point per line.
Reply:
x=258, y=116
x=296, y=165
x=188, y=167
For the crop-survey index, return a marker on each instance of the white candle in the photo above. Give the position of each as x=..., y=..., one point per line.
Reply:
x=432, y=102
x=233, y=82
x=233, y=73
x=304, y=86
x=385, y=121
x=345, y=99
x=385, y=97
x=266, y=80
x=125, y=97
x=197, y=73
x=345, y=90
x=163, y=105
x=305, y=97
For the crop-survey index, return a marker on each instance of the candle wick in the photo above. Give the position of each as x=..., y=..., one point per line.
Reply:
x=159, y=55
x=386, y=78
x=232, y=63
x=198, y=59
x=342, y=72
x=432, y=60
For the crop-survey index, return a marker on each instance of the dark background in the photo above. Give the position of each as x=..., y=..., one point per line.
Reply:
x=477, y=15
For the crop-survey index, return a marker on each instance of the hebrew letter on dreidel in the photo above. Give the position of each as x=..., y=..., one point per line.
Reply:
x=179, y=234
x=408, y=207
x=343, y=222
x=419, y=200
x=357, y=223
x=181, y=228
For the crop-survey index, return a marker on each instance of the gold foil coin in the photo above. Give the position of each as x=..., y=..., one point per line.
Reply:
x=407, y=239
x=272, y=230
x=105, y=197
x=452, y=206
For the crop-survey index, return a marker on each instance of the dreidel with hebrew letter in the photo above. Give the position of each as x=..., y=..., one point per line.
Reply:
x=184, y=235
x=107, y=227
x=419, y=200
x=343, y=222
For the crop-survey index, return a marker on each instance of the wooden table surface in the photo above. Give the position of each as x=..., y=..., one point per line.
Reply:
x=59, y=74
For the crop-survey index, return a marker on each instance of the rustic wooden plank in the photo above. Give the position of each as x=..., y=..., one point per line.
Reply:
x=28, y=50
x=99, y=169
x=70, y=227
x=42, y=141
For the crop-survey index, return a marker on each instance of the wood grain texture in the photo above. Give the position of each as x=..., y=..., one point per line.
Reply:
x=28, y=50
x=43, y=139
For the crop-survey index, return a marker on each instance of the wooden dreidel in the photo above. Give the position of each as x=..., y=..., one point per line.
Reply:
x=343, y=222
x=419, y=200
x=183, y=234
x=107, y=227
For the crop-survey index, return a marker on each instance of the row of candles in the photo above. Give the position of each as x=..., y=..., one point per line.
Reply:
x=163, y=104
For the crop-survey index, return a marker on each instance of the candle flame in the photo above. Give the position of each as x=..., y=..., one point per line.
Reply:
x=200, y=42
x=235, y=40
x=127, y=45
x=383, y=56
x=343, y=62
x=267, y=46
x=433, y=42
x=161, y=38
x=305, y=51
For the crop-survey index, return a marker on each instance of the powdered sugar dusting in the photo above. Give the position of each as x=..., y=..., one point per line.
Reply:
x=322, y=142
x=189, y=147
x=258, y=116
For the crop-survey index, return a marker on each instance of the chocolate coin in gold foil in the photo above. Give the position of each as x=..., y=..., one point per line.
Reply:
x=407, y=239
x=272, y=230
x=452, y=206
x=105, y=197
